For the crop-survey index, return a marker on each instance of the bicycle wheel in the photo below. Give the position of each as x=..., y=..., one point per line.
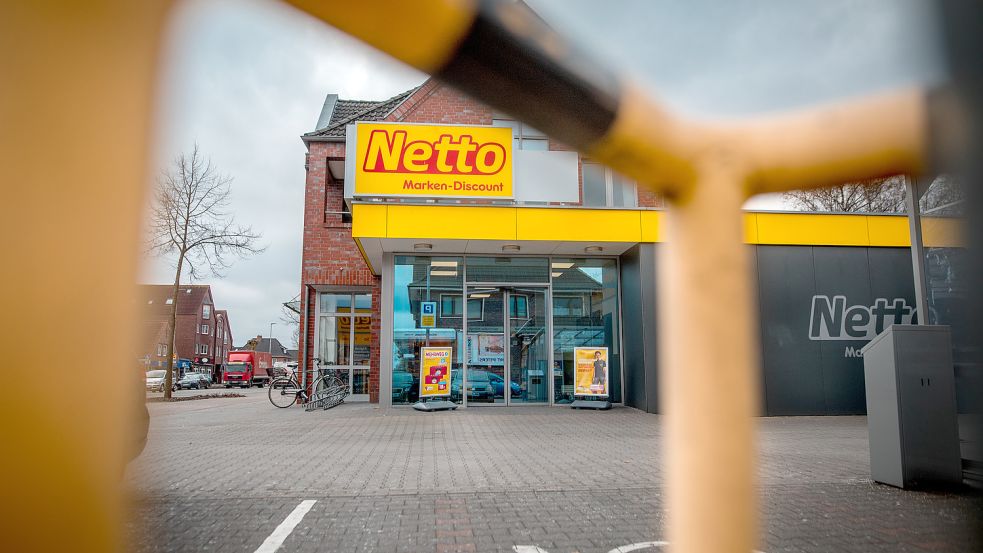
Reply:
x=283, y=392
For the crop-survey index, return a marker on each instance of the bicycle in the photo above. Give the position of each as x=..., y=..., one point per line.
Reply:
x=327, y=391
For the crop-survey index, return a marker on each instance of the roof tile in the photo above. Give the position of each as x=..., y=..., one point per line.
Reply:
x=350, y=111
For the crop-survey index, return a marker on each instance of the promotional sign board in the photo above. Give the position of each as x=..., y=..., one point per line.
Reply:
x=486, y=349
x=591, y=371
x=433, y=161
x=435, y=372
x=428, y=314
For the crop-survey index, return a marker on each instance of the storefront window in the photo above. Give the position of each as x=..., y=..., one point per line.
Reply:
x=419, y=279
x=345, y=337
x=585, y=314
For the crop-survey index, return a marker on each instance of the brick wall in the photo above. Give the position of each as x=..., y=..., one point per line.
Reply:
x=330, y=257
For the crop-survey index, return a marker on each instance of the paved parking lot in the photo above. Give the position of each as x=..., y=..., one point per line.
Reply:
x=223, y=474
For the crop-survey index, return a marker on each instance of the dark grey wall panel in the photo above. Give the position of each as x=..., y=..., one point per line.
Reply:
x=843, y=272
x=639, y=308
x=890, y=274
x=634, y=354
x=650, y=306
x=811, y=364
x=790, y=360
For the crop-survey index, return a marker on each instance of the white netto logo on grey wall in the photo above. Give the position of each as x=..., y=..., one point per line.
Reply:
x=834, y=320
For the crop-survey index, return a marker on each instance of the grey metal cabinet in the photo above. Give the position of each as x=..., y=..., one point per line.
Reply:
x=911, y=406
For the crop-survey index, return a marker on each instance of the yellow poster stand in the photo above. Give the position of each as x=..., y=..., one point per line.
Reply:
x=591, y=378
x=435, y=379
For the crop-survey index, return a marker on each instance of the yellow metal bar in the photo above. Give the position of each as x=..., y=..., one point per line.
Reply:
x=709, y=368
x=75, y=106
x=874, y=136
x=421, y=33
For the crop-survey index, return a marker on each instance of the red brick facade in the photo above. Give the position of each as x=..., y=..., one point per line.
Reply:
x=189, y=333
x=331, y=259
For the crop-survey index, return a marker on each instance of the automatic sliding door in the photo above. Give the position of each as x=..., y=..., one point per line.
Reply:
x=486, y=375
x=528, y=346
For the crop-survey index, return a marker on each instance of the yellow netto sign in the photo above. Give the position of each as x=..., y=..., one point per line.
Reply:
x=433, y=161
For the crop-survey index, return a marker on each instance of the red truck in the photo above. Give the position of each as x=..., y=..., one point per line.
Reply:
x=247, y=368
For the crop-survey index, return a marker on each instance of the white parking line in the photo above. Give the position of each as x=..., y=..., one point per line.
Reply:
x=279, y=535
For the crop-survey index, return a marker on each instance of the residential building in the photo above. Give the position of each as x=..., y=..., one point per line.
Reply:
x=203, y=334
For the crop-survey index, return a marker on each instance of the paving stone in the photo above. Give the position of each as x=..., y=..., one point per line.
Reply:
x=221, y=474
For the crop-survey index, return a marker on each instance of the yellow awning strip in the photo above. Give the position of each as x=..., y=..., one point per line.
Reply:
x=633, y=225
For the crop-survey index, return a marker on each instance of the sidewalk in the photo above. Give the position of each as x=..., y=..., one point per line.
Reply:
x=221, y=474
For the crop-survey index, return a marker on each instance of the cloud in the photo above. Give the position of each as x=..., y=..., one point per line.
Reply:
x=244, y=79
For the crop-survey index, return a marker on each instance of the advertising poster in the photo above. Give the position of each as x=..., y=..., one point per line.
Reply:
x=435, y=372
x=486, y=349
x=591, y=374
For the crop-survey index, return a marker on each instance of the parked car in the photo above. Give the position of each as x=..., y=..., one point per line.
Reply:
x=406, y=387
x=155, y=381
x=194, y=380
x=499, y=384
x=480, y=387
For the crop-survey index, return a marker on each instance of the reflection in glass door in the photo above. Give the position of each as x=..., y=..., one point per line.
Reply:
x=485, y=346
x=507, y=346
x=528, y=348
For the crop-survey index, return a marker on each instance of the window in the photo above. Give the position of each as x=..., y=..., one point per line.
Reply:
x=450, y=307
x=605, y=188
x=201, y=349
x=568, y=306
x=204, y=329
x=524, y=136
x=169, y=301
x=206, y=312
x=585, y=314
x=161, y=350
x=417, y=279
x=518, y=306
x=218, y=333
x=345, y=334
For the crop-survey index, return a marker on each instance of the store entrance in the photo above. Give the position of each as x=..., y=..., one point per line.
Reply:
x=507, y=349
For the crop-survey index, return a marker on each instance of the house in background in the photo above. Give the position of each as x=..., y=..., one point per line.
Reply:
x=203, y=334
x=278, y=352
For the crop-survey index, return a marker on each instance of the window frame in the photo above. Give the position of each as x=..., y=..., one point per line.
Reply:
x=520, y=135
x=481, y=307
x=557, y=298
x=352, y=313
x=512, y=299
x=609, y=185
x=206, y=311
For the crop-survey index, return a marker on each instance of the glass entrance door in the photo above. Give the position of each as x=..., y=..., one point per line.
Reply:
x=485, y=376
x=507, y=346
x=528, y=348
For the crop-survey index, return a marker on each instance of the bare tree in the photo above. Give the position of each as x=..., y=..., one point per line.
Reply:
x=190, y=220
x=884, y=195
x=945, y=196
x=290, y=316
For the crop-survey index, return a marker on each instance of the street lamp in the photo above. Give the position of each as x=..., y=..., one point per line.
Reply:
x=270, y=348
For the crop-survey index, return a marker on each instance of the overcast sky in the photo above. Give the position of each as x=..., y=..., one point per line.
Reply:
x=244, y=79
